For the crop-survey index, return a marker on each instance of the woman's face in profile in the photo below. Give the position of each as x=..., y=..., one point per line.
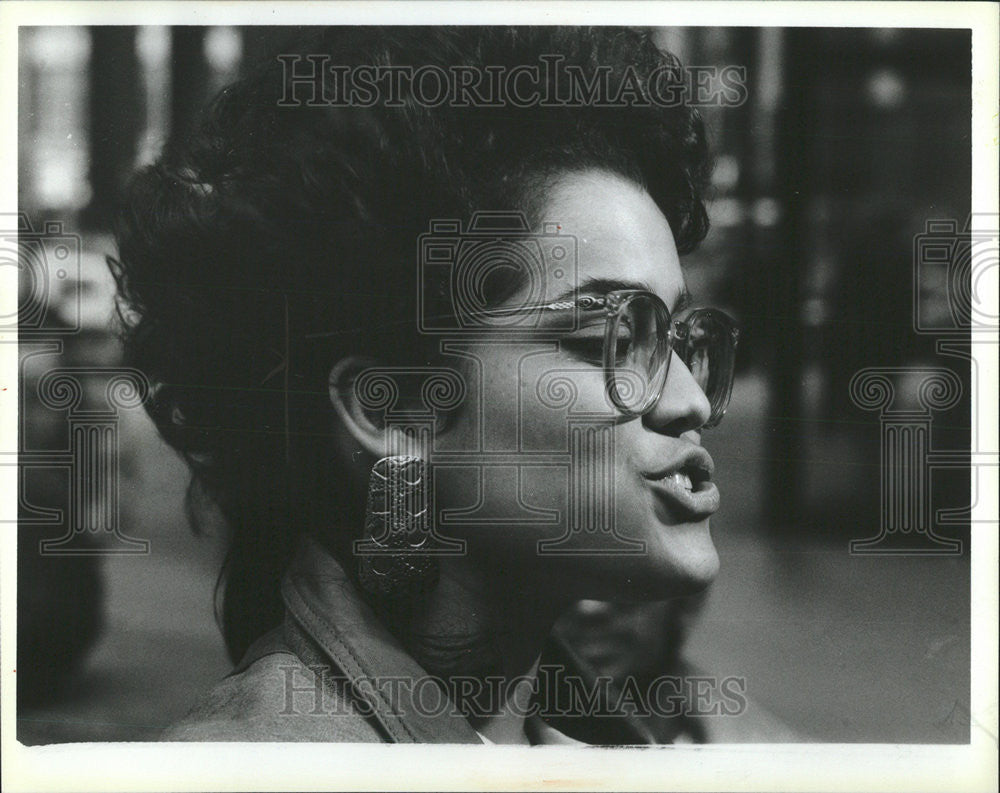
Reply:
x=586, y=465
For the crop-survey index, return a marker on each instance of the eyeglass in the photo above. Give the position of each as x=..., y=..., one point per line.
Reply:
x=639, y=339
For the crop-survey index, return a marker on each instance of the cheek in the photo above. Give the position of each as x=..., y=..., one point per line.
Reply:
x=559, y=394
x=526, y=398
x=538, y=453
x=528, y=416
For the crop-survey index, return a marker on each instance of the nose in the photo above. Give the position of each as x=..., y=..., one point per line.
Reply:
x=682, y=406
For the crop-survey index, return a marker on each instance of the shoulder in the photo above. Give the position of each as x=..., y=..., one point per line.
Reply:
x=275, y=698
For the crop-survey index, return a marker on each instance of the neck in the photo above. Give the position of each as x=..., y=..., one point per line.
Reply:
x=506, y=723
x=488, y=627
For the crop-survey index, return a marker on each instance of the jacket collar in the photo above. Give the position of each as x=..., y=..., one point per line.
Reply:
x=330, y=617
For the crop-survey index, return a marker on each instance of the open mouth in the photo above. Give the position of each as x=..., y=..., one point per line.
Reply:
x=685, y=485
x=690, y=479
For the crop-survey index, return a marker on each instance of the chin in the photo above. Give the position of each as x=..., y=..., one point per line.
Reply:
x=682, y=560
x=700, y=570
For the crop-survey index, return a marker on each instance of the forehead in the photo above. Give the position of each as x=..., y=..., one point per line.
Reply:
x=620, y=232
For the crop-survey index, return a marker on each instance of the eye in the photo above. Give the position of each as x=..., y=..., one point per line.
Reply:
x=587, y=348
x=623, y=343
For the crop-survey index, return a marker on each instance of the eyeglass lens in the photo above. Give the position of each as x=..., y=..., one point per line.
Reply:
x=642, y=334
x=642, y=352
x=709, y=354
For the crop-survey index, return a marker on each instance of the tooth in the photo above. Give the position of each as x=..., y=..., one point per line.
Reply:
x=682, y=480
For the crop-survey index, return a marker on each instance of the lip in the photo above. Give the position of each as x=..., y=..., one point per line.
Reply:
x=692, y=459
x=692, y=505
x=703, y=499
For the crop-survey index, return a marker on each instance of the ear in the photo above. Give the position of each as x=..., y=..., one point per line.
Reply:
x=363, y=425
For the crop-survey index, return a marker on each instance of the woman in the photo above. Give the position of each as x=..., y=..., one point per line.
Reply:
x=378, y=320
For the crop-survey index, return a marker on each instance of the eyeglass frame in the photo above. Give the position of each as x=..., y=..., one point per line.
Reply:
x=613, y=302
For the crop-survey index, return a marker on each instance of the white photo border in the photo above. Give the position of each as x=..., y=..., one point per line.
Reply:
x=798, y=767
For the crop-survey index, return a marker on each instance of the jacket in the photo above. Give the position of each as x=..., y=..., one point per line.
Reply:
x=330, y=672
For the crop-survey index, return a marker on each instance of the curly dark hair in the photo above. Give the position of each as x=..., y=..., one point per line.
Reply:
x=274, y=240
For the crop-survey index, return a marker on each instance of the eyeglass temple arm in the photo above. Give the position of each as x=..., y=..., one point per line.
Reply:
x=587, y=303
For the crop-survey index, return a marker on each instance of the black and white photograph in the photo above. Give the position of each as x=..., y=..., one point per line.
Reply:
x=595, y=396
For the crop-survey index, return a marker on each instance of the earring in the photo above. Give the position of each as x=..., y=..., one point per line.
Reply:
x=393, y=564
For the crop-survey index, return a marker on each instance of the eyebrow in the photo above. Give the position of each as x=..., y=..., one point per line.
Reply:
x=601, y=286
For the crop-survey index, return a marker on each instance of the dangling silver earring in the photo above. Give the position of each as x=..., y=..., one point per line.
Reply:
x=392, y=563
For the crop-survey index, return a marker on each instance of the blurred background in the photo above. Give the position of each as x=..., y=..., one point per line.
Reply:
x=849, y=142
